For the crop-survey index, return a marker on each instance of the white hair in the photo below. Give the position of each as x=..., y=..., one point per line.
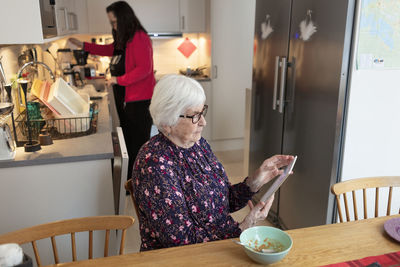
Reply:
x=173, y=95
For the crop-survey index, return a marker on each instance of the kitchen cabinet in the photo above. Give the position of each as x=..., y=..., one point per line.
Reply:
x=20, y=22
x=193, y=15
x=155, y=15
x=232, y=30
x=158, y=15
x=166, y=16
x=67, y=16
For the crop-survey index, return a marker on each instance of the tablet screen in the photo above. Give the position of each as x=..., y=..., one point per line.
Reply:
x=279, y=181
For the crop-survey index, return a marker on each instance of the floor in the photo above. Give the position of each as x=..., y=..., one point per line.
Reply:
x=233, y=164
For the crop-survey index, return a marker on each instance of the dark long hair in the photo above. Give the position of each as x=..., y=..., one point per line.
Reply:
x=127, y=23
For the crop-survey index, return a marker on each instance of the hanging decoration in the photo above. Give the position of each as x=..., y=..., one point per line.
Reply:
x=187, y=48
x=307, y=27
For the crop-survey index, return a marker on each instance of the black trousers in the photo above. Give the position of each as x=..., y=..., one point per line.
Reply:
x=136, y=125
x=119, y=97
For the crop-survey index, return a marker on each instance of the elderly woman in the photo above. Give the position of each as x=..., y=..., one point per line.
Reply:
x=181, y=189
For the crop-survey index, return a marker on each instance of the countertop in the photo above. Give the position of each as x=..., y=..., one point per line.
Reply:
x=91, y=147
x=203, y=78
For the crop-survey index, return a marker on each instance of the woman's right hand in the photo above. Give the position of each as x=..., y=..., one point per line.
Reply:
x=257, y=213
x=75, y=42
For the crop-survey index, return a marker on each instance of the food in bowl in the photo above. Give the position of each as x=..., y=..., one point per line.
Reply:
x=266, y=244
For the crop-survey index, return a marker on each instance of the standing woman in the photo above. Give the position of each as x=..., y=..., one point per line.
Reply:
x=132, y=75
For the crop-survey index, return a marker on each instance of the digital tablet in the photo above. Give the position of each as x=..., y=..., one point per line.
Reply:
x=279, y=181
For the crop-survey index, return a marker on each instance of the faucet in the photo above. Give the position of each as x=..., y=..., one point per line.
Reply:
x=26, y=65
x=36, y=62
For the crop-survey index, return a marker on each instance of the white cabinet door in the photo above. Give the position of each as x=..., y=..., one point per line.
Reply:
x=81, y=12
x=232, y=29
x=157, y=15
x=193, y=15
x=20, y=22
x=62, y=7
x=97, y=16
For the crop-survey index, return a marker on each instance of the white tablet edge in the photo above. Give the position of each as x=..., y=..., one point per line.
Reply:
x=279, y=181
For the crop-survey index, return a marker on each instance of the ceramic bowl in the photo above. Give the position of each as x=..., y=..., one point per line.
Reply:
x=270, y=237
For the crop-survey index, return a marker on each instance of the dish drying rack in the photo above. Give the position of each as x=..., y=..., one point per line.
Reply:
x=57, y=128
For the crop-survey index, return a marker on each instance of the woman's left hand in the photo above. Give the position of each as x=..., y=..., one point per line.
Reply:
x=269, y=169
x=112, y=80
x=257, y=213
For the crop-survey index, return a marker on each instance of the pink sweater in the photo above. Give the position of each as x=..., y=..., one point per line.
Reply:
x=139, y=78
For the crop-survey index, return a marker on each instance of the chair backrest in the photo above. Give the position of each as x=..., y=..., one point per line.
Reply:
x=129, y=187
x=363, y=184
x=71, y=226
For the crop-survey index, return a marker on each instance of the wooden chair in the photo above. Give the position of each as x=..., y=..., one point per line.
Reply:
x=72, y=226
x=129, y=187
x=364, y=183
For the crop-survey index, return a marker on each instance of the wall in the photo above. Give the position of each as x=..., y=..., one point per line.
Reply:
x=372, y=143
x=168, y=59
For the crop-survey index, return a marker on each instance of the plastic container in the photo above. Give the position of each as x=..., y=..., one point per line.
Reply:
x=78, y=122
x=65, y=100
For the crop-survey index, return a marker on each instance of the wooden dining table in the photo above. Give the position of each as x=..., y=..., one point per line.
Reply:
x=312, y=246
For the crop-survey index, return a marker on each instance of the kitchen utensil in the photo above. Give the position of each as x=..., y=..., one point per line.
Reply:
x=193, y=72
x=264, y=235
x=68, y=75
x=262, y=250
x=81, y=56
x=7, y=144
x=6, y=108
x=32, y=145
x=45, y=138
x=3, y=78
x=8, y=88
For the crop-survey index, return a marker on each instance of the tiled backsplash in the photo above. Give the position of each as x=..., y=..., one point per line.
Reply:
x=168, y=59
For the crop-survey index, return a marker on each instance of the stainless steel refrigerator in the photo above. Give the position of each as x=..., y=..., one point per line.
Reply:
x=300, y=74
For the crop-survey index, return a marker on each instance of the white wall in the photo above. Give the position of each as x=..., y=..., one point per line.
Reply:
x=372, y=140
x=372, y=143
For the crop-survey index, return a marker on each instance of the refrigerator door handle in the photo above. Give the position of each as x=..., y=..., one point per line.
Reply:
x=281, y=101
x=275, y=83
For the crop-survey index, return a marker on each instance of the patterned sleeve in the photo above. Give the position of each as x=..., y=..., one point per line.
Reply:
x=239, y=193
x=161, y=199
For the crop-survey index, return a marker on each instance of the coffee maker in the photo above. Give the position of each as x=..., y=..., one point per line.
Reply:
x=70, y=73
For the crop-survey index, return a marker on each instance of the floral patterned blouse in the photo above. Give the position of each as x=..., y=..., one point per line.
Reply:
x=183, y=195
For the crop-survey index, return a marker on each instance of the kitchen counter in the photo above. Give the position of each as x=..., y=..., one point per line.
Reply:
x=203, y=78
x=68, y=179
x=74, y=149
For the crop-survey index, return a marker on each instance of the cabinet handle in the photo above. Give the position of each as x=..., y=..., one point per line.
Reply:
x=183, y=22
x=282, y=89
x=215, y=71
x=66, y=19
x=73, y=21
x=275, y=83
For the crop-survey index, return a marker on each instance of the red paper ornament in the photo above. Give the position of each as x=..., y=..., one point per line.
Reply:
x=187, y=47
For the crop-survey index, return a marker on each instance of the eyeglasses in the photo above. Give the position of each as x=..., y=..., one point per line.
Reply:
x=196, y=117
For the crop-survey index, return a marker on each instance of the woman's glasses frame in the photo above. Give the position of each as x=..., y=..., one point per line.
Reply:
x=196, y=117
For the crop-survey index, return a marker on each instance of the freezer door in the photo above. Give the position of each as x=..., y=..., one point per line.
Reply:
x=272, y=21
x=315, y=95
